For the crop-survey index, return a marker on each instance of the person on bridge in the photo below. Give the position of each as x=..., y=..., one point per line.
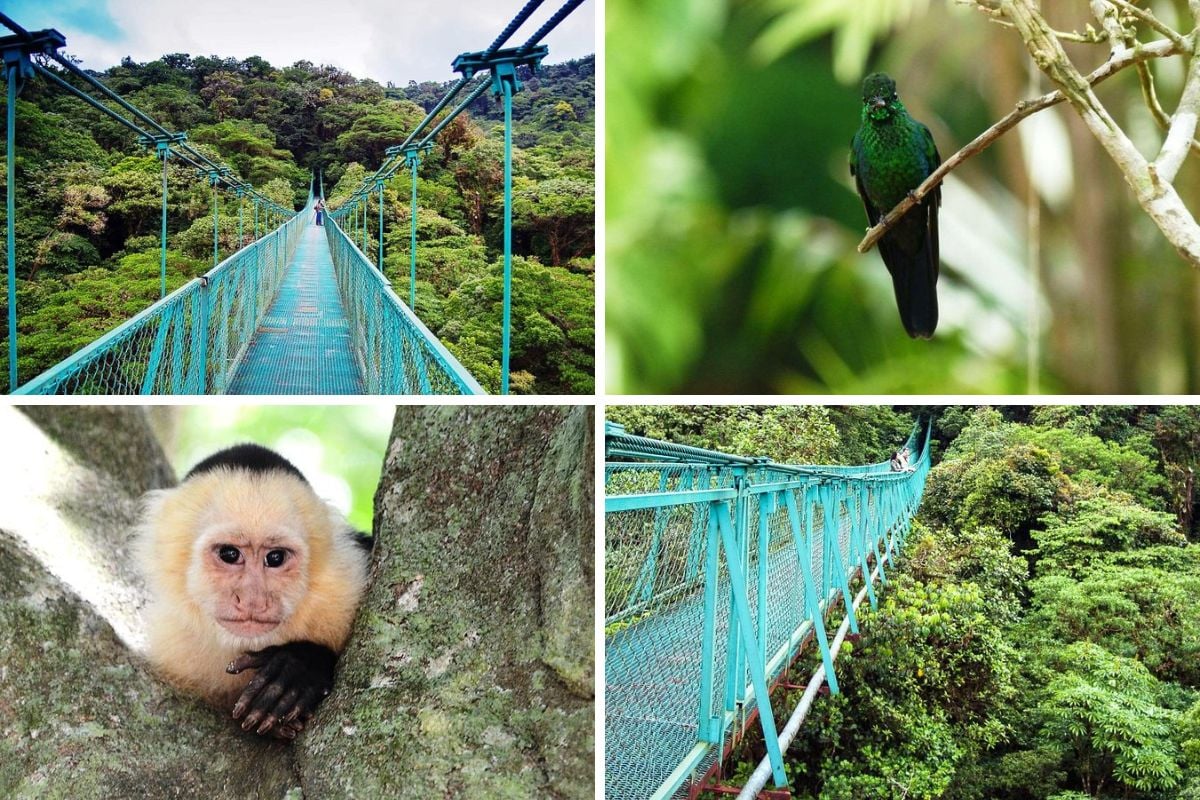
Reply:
x=320, y=212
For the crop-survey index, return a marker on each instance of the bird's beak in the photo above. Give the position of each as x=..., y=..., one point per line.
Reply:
x=878, y=102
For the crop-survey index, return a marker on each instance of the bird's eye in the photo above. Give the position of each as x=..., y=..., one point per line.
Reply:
x=229, y=554
x=895, y=96
x=275, y=558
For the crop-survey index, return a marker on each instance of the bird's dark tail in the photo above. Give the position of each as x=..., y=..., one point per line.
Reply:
x=919, y=312
x=910, y=251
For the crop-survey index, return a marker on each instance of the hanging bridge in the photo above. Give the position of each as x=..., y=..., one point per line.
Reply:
x=719, y=570
x=300, y=308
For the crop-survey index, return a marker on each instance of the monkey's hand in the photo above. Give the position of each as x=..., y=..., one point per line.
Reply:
x=292, y=679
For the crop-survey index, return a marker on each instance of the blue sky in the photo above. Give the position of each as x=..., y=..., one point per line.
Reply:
x=387, y=40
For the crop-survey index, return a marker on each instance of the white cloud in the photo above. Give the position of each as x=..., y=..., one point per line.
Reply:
x=387, y=40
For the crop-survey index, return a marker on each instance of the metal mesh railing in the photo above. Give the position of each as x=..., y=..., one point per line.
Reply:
x=682, y=646
x=191, y=341
x=398, y=354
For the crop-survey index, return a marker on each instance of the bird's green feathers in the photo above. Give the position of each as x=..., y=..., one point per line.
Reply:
x=890, y=155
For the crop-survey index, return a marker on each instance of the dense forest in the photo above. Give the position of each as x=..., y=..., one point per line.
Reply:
x=88, y=202
x=1040, y=639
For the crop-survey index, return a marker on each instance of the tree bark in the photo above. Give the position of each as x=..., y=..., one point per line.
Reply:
x=470, y=673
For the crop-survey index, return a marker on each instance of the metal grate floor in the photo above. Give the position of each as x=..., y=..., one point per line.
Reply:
x=302, y=345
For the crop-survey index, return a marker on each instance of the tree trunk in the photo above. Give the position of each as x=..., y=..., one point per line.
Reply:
x=470, y=673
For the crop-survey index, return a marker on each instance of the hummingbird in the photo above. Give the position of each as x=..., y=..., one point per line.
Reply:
x=889, y=157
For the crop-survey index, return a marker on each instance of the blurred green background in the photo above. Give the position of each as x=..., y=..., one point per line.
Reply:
x=339, y=448
x=732, y=220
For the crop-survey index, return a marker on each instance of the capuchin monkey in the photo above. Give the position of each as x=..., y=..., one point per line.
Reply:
x=254, y=583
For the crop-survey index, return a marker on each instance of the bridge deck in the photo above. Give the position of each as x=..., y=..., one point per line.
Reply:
x=303, y=344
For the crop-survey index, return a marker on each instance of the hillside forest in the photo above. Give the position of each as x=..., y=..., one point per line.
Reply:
x=88, y=200
x=1040, y=636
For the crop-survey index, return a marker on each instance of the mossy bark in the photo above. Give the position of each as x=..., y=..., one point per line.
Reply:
x=471, y=670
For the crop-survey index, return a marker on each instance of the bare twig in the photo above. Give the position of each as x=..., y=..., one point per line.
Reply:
x=1157, y=49
x=1154, y=22
x=1110, y=21
x=1092, y=36
x=1151, y=96
x=991, y=8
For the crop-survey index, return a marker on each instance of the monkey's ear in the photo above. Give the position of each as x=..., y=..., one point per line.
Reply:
x=152, y=505
x=147, y=534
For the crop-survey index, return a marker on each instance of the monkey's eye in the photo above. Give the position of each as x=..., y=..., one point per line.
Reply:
x=275, y=558
x=229, y=554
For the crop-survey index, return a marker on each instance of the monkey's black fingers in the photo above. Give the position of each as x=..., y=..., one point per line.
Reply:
x=285, y=732
x=288, y=730
x=304, y=705
x=277, y=714
x=266, y=674
x=247, y=697
x=260, y=707
x=246, y=661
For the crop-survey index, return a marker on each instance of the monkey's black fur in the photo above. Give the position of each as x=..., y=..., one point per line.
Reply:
x=250, y=457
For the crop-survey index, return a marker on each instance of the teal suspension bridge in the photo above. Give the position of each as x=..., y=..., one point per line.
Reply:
x=301, y=309
x=719, y=570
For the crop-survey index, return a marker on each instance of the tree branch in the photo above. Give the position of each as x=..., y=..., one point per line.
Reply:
x=1153, y=191
x=1106, y=14
x=1183, y=126
x=1120, y=38
x=1179, y=139
x=1151, y=96
x=1154, y=22
x=1157, y=49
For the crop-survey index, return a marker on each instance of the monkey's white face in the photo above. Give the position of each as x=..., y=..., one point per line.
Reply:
x=251, y=581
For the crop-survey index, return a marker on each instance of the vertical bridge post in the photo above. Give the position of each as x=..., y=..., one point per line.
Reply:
x=412, y=159
x=162, y=146
x=214, y=178
x=240, y=191
x=503, y=66
x=366, y=206
x=17, y=68
x=379, y=185
x=164, y=150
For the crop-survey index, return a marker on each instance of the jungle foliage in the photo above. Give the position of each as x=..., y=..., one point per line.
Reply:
x=88, y=202
x=1040, y=638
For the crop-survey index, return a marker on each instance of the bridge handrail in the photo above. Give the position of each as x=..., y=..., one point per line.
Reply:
x=718, y=569
x=399, y=354
x=161, y=350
